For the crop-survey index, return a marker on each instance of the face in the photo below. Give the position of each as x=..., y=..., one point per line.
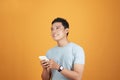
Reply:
x=58, y=32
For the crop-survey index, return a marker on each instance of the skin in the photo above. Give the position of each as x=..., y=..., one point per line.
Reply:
x=59, y=34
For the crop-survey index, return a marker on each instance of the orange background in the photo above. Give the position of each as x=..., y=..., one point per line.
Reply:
x=25, y=34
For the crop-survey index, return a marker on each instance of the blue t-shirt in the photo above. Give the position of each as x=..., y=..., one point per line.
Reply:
x=66, y=56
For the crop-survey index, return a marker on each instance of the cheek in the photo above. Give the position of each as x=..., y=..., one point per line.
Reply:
x=62, y=33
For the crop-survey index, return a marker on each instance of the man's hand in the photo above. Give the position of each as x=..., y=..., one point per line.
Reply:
x=44, y=64
x=53, y=65
x=46, y=73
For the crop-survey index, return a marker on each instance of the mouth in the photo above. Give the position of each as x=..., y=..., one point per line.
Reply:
x=55, y=35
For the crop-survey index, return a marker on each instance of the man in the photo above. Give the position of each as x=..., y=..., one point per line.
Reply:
x=66, y=60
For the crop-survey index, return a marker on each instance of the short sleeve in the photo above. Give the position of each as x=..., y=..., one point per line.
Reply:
x=79, y=56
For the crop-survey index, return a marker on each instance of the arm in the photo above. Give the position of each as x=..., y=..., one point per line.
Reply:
x=46, y=73
x=75, y=74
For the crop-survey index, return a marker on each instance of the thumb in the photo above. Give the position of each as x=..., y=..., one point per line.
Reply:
x=51, y=60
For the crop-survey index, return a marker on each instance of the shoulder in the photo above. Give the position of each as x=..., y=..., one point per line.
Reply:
x=76, y=46
x=77, y=50
x=79, y=54
x=51, y=50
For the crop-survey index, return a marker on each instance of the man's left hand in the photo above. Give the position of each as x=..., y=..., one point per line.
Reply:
x=53, y=64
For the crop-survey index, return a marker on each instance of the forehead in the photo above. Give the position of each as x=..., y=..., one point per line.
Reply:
x=57, y=24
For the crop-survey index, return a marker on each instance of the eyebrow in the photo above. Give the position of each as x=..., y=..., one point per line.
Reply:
x=58, y=26
x=55, y=26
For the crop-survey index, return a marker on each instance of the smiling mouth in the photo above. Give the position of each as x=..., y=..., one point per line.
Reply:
x=55, y=35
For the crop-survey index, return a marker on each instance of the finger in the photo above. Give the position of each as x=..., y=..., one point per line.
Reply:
x=50, y=60
x=48, y=66
x=45, y=64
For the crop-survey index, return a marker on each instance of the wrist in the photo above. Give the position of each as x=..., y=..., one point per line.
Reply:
x=60, y=68
x=45, y=69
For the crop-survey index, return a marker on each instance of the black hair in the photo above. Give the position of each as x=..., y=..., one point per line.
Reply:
x=63, y=21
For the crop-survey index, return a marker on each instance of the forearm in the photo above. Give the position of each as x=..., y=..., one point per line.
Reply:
x=71, y=74
x=45, y=74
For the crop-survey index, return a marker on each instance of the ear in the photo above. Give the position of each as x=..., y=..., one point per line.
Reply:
x=67, y=30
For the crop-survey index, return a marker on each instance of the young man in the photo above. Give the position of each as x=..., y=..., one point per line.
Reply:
x=66, y=60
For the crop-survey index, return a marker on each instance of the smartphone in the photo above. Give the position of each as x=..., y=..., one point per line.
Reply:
x=43, y=58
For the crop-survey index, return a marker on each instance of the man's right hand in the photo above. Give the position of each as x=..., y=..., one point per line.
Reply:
x=44, y=64
x=46, y=73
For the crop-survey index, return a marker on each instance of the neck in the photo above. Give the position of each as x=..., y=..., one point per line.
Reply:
x=62, y=42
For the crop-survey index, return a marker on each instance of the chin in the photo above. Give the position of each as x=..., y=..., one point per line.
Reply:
x=56, y=39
